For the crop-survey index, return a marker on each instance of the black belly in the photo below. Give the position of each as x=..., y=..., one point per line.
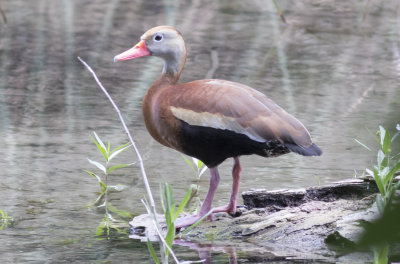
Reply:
x=212, y=146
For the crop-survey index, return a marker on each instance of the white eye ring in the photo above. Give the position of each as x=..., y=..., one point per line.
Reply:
x=158, y=37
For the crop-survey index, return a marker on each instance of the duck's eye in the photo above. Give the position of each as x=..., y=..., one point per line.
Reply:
x=158, y=37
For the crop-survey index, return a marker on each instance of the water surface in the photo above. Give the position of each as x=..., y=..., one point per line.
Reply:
x=335, y=71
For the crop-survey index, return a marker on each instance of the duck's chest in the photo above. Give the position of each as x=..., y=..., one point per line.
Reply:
x=159, y=120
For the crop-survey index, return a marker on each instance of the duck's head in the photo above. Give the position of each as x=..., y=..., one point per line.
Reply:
x=163, y=41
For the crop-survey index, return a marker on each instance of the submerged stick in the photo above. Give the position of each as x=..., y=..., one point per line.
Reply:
x=279, y=11
x=146, y=182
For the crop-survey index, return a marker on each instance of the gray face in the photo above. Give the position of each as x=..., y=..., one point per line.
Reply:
x=167, y=44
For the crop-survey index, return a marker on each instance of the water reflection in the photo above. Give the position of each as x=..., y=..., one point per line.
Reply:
x=205, y=250
x=337, y=74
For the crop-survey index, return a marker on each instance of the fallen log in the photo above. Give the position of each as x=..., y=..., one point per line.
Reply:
x=287, y=224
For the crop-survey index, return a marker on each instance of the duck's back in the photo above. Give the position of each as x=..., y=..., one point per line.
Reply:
x=217, y=119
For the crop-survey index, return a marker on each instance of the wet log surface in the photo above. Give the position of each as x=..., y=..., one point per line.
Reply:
x=350, y=189
x=287, y=224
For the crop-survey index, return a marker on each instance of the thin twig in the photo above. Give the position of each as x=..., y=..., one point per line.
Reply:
x=161, y=237
x=146, y=182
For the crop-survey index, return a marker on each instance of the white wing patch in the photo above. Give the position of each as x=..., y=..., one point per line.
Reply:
x=213, y=120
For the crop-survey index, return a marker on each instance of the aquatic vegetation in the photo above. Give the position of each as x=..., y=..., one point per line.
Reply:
x=385, y=170
x=387, y=200
x=171, y=213
x=108, y=222
x=149, y=204
x=198, y=168
x=4, y=219
x=279, y=11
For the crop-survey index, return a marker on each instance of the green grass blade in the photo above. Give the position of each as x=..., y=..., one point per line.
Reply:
x=380, y=203
x=99, y=141
x=117, y=188
x=170, y=201
x=379, y=182
x=183, y=204
x=118, y=166
x=98, y=165
x=362, y=144
x=162, y=199
x=97, y=200
x=169, y=238
x=168, y=210
x=102, y=150
x=121, y=213
x=115, y=152
x=381, y=254
x=200, y=164
x=94, y=175
x=103, y=187
x=370, y=172
x=380, y=157
x=386, y=140
x=386, y=177
x=393, y=171
x=203, y=170
x=190, y=164
x=152, y=252
x=120, y=147
x=197, y=162
x=100, y=228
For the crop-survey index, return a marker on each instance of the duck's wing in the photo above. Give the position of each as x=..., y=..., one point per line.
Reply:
x=238, y=108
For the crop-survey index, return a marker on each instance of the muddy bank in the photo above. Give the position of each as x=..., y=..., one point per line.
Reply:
x=287, y=224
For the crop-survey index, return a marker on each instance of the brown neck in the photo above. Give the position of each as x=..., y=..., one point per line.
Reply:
x=170, y=77
x=167, y=79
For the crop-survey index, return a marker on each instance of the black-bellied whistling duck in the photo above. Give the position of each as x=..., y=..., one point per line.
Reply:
x=212, y=120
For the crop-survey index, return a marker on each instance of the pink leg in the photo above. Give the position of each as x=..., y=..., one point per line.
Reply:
x=207, y=204
x=231, y=207
x=214, y=181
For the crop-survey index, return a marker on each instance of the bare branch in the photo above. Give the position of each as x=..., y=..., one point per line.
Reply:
x=146, y=182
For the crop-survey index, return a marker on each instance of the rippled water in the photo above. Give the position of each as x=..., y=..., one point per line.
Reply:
x=335, y=71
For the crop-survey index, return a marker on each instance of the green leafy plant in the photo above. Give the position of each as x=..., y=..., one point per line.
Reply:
x=198, y=168
x=150, y=205
x=171, y=213
x=384, y=173
x=4, y=219
x=109, y=222
x=385, y=170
